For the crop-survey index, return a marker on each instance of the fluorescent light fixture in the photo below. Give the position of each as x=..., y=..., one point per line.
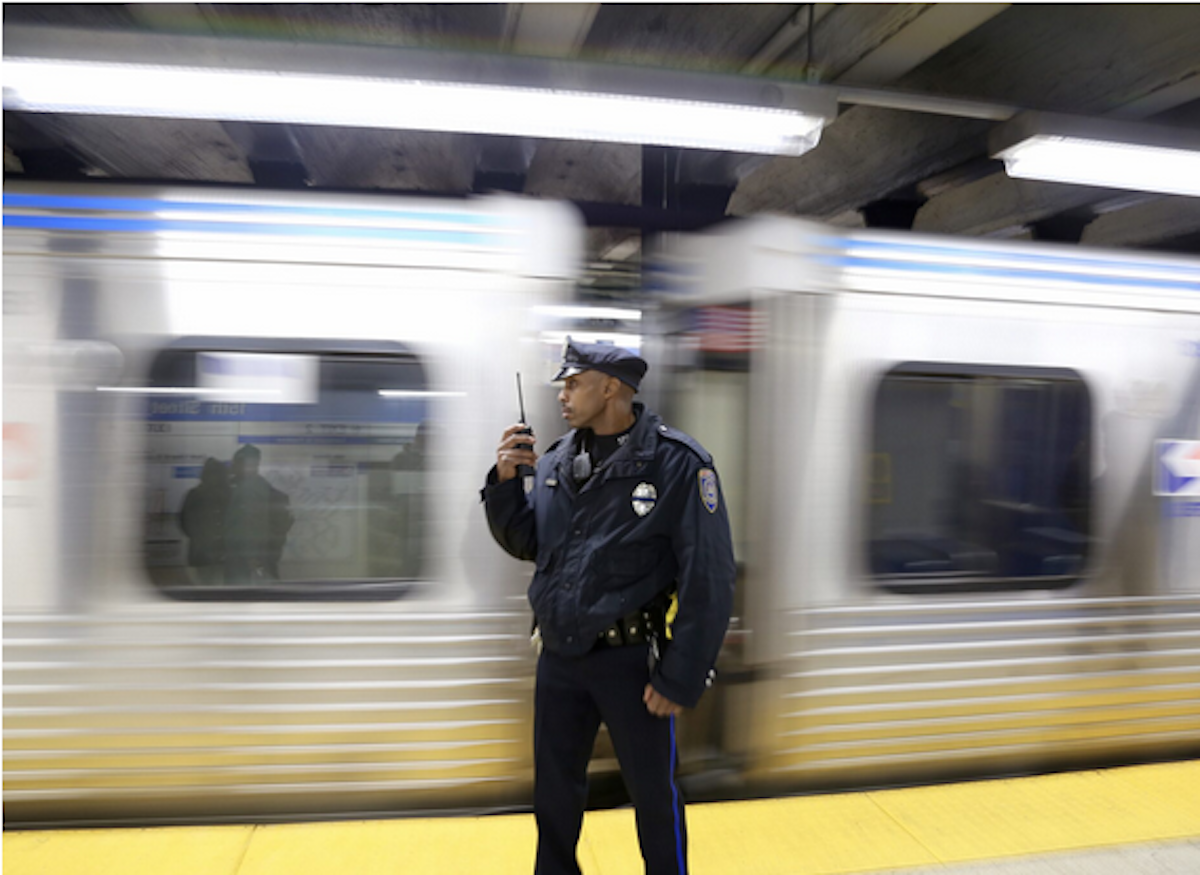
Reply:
x=1108, y=165
x=1100, y=153
x=558, y=338
x=184, y=390
x=418, y=393
x=372, y=101
x=582, y=312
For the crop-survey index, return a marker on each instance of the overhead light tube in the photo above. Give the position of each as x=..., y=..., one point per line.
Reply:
x=164, y=91
x=1098, y=153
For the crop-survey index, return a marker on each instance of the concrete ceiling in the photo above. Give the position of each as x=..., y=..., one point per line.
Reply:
x=874, y=165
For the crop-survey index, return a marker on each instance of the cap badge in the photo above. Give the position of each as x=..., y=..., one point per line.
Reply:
x=644, y=497
x=708, y=489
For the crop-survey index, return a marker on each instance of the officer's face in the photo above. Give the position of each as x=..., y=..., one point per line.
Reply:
x=583, y=398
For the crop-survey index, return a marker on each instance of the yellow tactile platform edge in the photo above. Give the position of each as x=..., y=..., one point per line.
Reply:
x=812, y=835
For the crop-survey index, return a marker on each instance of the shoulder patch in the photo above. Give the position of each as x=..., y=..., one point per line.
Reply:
x=708, y=489
x=679, y=437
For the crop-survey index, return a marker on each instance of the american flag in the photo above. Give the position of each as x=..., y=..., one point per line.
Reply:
x=729, y=329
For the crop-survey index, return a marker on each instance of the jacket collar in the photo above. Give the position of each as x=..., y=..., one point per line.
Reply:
x=643, y=437
x=640, y=448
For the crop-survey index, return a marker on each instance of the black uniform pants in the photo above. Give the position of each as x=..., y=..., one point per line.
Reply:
x=573, y=696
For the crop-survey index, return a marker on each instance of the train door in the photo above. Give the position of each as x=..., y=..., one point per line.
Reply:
x=31, y=494
x=57, y=441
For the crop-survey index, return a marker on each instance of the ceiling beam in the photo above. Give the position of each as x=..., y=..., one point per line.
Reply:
x=864, y=46
x=1145, y=223
x=1160, y=101
x=39, y=151
x=1075, y=75
x=937, y=26
x=272, y=153
x=845, y=36
x=548, y=29
x=999, y=204
x=1027, y=56
x=787, y=37
x=425, y=161
x=864, y=156
x=142, y=148
x=560, y=29
x=502, y=163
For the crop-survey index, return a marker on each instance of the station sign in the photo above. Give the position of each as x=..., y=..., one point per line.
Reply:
x=1177, y=469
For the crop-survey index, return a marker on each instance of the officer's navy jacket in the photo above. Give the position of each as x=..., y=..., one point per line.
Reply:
x=598, y=559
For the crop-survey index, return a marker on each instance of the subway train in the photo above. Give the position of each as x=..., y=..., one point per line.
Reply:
x=247, y=575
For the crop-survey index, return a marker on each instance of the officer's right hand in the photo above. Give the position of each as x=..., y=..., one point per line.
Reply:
x=508, y=456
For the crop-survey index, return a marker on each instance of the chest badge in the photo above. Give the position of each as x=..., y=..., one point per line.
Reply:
x=644, y=497
x=708, y=489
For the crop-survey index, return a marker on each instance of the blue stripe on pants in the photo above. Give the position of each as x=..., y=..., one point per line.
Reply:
x=675, y=801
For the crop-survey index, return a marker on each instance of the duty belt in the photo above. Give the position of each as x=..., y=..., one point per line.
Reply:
x=636, y=628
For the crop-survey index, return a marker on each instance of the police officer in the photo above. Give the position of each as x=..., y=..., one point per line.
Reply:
x=631, y=596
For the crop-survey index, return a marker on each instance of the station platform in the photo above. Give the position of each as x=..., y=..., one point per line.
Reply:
x=1138, y=820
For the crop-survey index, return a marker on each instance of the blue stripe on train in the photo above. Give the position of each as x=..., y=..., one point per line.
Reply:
x=899, y=247
x=150, y=205
x=135, y=226
x=1007, y=273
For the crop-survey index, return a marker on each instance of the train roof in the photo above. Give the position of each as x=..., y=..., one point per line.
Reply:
x=502, y=232
x=778, y=254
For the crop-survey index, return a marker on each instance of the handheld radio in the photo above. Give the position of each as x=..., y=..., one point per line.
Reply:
x=523, y=470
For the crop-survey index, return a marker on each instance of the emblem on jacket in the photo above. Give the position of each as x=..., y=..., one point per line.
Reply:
x=644, y=496
x=708, y=489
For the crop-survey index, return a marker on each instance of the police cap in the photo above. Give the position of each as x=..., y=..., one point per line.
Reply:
x=612, y=360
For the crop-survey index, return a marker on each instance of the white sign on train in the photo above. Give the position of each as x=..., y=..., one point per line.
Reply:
x=259, y=378
x=1177, y=472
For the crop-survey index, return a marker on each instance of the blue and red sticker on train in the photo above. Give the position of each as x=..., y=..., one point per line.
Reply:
x=1177, y=473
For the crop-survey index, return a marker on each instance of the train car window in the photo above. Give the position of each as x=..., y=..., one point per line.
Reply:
x=978, y=479
x=317, y=495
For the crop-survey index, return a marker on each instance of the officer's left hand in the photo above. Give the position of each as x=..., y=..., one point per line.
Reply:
x=658, y=704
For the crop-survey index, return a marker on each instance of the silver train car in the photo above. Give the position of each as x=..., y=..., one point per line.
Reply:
x=965, y=485
x=962, y=478
x=348, y=638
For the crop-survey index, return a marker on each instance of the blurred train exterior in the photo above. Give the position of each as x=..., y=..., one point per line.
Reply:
x=956, y=559
x=942, y=459
x=388, y=667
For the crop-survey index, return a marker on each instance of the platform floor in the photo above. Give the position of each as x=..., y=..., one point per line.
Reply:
x=1139, y=820
x=1158, y=858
